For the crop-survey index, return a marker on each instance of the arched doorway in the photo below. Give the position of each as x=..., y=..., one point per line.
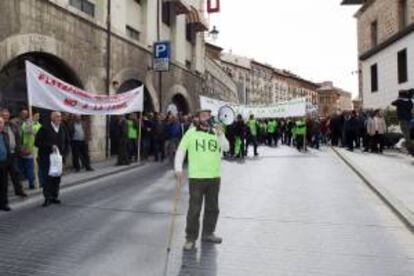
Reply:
x=131, y=84
x=181, y=104
x=114, y=123
x=13, y=88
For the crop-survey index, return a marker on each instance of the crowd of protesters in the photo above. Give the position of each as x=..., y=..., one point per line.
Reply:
x=25, y=142
x=25, y=139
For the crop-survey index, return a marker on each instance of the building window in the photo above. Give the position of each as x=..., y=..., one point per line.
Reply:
x=190, y=33
x=84, y=5
x=132, y=33
x=188, y=64
x=374, y=33
x=374, y=78
x=403, y=13
x=402, y=66
x=167, y=13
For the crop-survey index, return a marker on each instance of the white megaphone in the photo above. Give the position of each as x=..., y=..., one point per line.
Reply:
x=226, y=115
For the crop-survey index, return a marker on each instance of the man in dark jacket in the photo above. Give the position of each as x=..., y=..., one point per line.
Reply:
x=240, y=137
x=4, y=163
x=350, y=129
x=404, y=105
x=122, y=134
x=13, y=133
x=159, y=138
x=50, y=138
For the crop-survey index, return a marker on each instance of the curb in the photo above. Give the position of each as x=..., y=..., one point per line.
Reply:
x=399, y=209
x=69, y=184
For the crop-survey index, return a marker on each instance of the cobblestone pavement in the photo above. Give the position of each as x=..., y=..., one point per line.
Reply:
x=284, y=213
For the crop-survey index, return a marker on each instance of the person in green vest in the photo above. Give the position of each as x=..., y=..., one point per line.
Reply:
x=299, y=132
x=271, y=132
x=204, y=145
x=132, y=124
x=263, y=132
x=253, y=128
x=28, y=152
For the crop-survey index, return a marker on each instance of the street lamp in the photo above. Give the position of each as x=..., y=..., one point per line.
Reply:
x=214, y=33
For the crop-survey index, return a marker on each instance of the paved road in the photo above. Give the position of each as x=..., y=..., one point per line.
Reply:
x=284, y=213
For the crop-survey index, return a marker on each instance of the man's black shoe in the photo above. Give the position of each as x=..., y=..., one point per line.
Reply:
x=56, y=201
x=5, y=208
x=90, y=169
x=46, y=203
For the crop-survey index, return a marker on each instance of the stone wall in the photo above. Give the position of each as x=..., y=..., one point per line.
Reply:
x=386, y=13
x=28, y=26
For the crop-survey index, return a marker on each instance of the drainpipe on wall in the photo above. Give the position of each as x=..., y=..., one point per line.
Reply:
x=158, y=39
x=108, y=73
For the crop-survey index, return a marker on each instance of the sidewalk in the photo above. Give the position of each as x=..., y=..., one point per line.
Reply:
x=390, y=175
x=71, y=178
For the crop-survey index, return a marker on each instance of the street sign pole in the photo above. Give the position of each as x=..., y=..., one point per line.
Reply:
x=161, y=63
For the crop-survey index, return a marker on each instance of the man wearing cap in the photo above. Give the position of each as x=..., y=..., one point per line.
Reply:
x=204, y=145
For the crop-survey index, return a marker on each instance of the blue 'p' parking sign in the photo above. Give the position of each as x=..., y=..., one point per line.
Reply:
x=161, y=56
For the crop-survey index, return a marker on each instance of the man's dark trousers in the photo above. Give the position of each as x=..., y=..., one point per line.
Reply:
x=14, y=173
x=3, y=186
x=251, y=139
x=51, y=185
x=80, y=150
x=206, y=190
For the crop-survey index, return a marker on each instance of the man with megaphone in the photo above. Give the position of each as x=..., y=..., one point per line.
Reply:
x=204, y=145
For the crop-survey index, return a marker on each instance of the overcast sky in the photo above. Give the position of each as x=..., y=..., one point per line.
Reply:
x=315, y=39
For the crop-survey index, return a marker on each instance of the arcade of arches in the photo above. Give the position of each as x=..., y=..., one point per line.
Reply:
x=13, y=90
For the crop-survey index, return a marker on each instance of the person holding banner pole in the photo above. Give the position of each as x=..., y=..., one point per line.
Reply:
x=29, y=128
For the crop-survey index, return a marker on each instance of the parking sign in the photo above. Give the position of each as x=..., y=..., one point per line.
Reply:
x=161, y=56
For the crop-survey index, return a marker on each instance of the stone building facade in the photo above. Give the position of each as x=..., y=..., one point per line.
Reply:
x=280, y=86
x=69, y=38
x=239, y=69
x=385, y=49
x=263, y=84
x=332, y=99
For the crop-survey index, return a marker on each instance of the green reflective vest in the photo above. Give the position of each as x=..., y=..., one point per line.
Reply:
x=132, y=130
x=252, y=125
x=204, y=153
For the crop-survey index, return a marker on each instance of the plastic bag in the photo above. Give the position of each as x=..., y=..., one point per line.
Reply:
x=56, y=164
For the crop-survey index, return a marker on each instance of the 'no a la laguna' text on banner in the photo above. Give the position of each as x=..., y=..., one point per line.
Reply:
x=47, y=91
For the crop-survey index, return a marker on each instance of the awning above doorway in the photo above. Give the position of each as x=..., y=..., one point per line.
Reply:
x=194, y=19
x=180, y=6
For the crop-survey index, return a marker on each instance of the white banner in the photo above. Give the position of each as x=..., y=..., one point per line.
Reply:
x=49, y=92
x=293, y=108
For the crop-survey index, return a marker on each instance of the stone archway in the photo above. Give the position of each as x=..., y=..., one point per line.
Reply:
x=181, y=104
x=13, y=87
x=133, y=83
x=179, y=97
x=129, y=74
